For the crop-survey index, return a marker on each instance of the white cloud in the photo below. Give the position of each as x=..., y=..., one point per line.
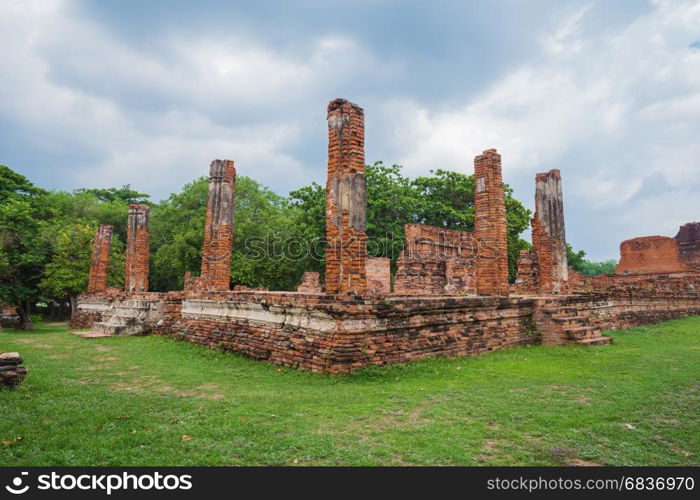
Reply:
x=628, y=103
x=72, y=86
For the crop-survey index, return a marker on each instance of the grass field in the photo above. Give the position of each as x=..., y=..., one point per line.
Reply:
x=155, y=401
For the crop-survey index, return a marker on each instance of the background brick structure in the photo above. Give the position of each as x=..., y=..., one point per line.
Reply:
x=548, y=233
x=99, y=265
x=650, y=255
x=310, y=282
x=436, y=261
x=490, y=228
x=526, y=279
x=378, y=275
x=688, y=239
x=137, y=249
x=218, y=229
x=346, y=204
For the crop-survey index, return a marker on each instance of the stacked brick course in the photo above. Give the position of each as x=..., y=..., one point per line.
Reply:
x=346, y=203
x=490, y=227
x=99, y=265
x=218, y=230
x=137, y=249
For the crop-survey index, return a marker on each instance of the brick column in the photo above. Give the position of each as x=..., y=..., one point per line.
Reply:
x=218, y=230
x=99, y=266
x=137, y=250
x=490, y=229
x=548, y=234
x=346, y=203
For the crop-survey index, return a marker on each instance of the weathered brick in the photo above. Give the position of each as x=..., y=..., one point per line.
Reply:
x=137, y=249
x=346, y=203
x=99, y=265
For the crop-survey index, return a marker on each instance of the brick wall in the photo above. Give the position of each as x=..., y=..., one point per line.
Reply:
x=325, y=334
x=490, y=227
x=688, y=239
x=310, y=282
x=137, y=249
x=650, y=255
x=378, y=275
x=436, y=261
x=317, y=333
x=346, y=203
x=526, y=279
x=99, y=265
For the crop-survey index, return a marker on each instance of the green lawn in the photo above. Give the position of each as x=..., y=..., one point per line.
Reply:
x=155, y=401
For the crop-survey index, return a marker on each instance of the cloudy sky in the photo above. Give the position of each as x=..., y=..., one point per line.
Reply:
x=148, y=93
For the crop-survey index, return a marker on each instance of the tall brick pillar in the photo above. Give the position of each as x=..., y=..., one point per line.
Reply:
x=548, y=234
x=137, y=249
x=218, y=230
x=490, y=228
x=99, y=266
x=346, y=203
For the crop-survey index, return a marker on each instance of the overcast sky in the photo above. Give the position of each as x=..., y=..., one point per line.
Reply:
x=99, y=93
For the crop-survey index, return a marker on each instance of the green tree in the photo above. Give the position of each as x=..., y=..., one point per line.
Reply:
x=23, y=242
x=578, y=262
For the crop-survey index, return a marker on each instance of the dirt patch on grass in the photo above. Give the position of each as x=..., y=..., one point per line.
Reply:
x=102, y=348
x=577, y=462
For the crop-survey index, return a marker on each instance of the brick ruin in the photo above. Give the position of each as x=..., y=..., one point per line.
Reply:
x=346, y=204
x=218, y=228
x=490, y=227
x=99, y=265
x=650, y=255
x=436, y=261
x=544, y=268
x=310, y=282
x=688, y=240
x=451, y=295
x=137, y=249
x=378, y=275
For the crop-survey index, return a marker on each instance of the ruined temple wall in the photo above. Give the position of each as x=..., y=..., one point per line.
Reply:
x=99, y=264
x=378, y=275
x=96, y=307
x=688, y=240
x=490, y=226
x=310, y=282
x=346, y=204
x=137, y=249
x=650, y=255
x=436, y=261
x=319, y=334
x=420, y=276
x=526, y=280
